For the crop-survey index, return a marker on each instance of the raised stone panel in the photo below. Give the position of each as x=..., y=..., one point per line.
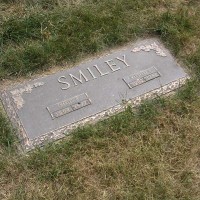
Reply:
x=50, y=107
x=141, y=77
x=69, y=105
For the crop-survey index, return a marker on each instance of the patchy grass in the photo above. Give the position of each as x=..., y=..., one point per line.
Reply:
x=148, y=153
x=42, y=37
x=7, y=137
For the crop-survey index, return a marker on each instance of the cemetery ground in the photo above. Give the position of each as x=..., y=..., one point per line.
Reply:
x=151, y=152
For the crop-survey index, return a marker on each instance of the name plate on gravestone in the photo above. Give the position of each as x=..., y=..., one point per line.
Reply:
x=69, y=105
x=49, y=107
x=141, y=77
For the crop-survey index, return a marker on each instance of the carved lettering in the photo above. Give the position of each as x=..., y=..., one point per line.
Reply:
x=92, y=74
x=64, y=82
x=142, y=77
x=81, y=104
x=111, y=64
x=101, y=73
x=151, y=76
x=82, y=76
x=62, y=112
x=69, y=105
x=123, y=60
x=80, y=79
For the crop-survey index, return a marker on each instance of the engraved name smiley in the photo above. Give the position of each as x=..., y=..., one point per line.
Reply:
x=93, y=72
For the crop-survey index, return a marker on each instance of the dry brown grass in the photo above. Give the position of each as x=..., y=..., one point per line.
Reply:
x=160, y=162
x=153, y=153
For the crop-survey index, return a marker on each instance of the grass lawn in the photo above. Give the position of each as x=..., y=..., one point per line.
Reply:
x=152, y=152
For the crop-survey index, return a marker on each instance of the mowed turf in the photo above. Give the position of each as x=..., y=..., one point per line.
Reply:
x=152, y=152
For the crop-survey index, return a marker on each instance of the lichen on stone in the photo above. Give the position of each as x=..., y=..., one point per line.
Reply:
x=17, y=93
x=150, y=47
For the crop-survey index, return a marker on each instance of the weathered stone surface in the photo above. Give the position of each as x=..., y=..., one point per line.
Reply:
x=51, y=106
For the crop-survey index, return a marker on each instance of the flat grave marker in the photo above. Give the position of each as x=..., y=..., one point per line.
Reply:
x=48, y=108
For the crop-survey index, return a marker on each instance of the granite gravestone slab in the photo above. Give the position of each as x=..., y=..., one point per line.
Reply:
x=49, y=107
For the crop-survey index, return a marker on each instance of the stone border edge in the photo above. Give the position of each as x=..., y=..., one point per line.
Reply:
x=28, y=145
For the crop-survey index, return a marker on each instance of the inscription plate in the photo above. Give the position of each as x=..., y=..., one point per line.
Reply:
x=50, y=107
x=69, y=105
x=141, y=77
